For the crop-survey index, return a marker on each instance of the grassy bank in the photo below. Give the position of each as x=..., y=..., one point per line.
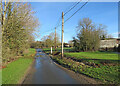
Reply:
x=66, y=49
x=94, y=55
x=102, y=66
x=16, y=69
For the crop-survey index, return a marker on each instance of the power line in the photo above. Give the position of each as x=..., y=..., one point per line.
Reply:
x=76, y=11
x=72, y=8
x=59, y=24
x=69, y=7
x=58, y=21
x=48, y=30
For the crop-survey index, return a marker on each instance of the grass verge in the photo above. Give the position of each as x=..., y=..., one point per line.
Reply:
x=66, y=49
x=101, y=66
x=94, y=55
x=16, y=69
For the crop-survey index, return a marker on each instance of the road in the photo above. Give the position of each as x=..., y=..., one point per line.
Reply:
x=45, y=71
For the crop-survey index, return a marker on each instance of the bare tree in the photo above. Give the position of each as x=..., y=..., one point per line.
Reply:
x=88, y=35
x=49, y=40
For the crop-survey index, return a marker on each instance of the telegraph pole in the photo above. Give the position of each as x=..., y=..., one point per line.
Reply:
x=55, y=38
x=62, y=32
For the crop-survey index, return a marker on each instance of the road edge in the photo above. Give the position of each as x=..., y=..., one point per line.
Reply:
x=77, y=76
x=26, y=73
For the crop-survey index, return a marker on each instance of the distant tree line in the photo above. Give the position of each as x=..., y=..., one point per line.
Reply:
x=89, y=35
x=47, y=41
x=18, y=25
x=36, y=44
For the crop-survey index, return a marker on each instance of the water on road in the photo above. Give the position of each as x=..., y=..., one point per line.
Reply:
x=45, y=71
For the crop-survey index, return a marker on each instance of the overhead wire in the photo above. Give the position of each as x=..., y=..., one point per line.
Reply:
x=69, y=9
x=76, y=12
x=72, y=8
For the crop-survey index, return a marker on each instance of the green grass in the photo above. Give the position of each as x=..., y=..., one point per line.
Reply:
x=101, y=66
x=16, y=69
x=48, y=50
x=105, y=73
x=94, y=55
x=31, y=51
x=0, y=77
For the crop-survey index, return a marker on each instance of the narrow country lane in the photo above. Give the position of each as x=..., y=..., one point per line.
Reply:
x=45, y=71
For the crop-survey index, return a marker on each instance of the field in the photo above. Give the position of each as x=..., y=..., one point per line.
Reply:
x=94, y=55
x=16, y=69
x=66, y=49
x=102, y=66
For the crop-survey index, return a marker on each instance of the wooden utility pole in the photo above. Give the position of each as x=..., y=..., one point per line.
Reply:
x=55, y=38
x=62, y=32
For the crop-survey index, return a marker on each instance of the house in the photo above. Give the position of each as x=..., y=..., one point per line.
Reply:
x=109, y=43
x=66, y=45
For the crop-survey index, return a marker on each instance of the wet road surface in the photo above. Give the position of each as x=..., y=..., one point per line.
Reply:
x=45, y=71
